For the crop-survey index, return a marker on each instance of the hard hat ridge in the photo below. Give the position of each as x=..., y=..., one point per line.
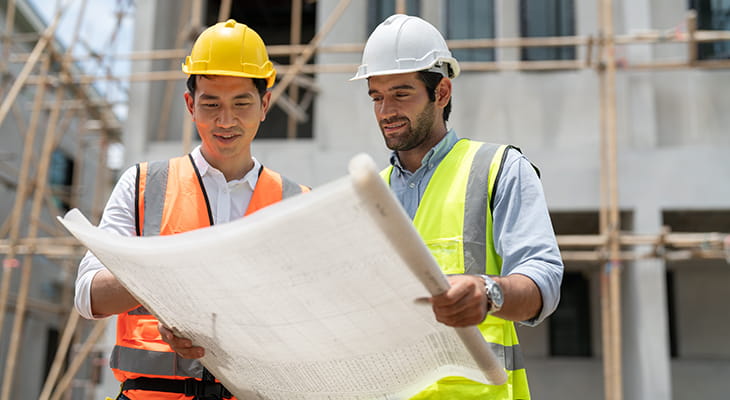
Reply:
x=403, y=44
x=231, y=49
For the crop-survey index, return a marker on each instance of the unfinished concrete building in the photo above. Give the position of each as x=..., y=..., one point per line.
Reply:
x=622, y=105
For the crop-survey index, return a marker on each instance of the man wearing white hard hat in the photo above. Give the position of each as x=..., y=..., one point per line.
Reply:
x=479, y=207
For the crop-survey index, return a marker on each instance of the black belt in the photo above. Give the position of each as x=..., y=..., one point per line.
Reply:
x=188, y=387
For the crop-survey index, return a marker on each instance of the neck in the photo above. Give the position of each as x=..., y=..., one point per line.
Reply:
x=238, y=171
x=412, y=159
x=232, y=167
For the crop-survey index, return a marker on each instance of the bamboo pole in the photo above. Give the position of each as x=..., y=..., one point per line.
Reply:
x=611, y=280
x=80, y=357
x=703, y=245
x=309, y=51
x=187, y=133
x=9, y=26
x=196, y=15
x=61, y=250
x=274, y=50
x=603, y=224
x=40, y=242
x=295, y=37
x=61, y=351
x=38, y=306
x=74, y=39
x=41, y=183
x=589, y=53
x=701, y=36
x=28, y=67
x=691, y=40
x=475, y=66
x=224, y=12
x=21, y=192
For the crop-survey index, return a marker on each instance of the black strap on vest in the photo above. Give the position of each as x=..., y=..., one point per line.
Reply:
x=202, y=390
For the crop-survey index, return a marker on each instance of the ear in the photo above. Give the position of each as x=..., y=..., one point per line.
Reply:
x=265, y=102
x=443, y=92
x=189, y=103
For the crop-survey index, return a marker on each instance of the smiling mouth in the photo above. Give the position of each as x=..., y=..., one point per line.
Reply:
x=394, y=125
x=227, y=135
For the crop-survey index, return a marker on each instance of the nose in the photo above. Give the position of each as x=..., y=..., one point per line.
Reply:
x=226, y=118
x=386, y=108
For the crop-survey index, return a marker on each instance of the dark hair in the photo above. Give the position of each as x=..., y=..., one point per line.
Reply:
x=431, y=80
x=258, y=82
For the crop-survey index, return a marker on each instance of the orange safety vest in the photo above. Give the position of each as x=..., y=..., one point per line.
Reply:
x=170, y=199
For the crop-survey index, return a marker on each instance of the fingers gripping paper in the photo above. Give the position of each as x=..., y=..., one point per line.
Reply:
x=314, y=297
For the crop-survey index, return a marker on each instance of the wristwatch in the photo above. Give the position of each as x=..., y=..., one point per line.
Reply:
x=495, y=298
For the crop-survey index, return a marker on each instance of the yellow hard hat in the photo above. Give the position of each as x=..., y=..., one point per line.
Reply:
x=231, y=49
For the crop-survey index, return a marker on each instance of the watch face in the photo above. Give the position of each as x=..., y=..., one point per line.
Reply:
x=495, y=294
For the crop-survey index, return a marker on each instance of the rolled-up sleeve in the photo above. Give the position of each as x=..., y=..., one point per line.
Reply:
x=118, y=217
x=523, y=232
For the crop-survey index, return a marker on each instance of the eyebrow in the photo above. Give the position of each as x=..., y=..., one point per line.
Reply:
x=247, y=95
x=392, y=88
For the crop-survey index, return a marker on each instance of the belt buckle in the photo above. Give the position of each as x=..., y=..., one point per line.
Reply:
x=206, y=390
x=191, y=387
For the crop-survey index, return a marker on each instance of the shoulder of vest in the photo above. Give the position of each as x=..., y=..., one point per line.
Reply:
x=281, y=179
x=385, y=172
x=270, y=175
x=509, y=146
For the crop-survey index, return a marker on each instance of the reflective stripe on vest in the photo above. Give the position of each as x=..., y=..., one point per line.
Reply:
x=462, y=189
x=162, y=210
x=139, y=361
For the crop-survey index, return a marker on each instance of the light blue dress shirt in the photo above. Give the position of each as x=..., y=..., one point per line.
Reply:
x=523, y=232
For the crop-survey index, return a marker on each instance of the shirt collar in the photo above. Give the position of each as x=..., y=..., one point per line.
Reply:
x=251, y=177
x=434, y=156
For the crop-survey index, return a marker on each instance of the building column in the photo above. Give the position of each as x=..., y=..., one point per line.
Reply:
x=507, y=19
x=135, y=129
x=646, y=352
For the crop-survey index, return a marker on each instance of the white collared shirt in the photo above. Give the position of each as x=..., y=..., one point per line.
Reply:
x=228, y=201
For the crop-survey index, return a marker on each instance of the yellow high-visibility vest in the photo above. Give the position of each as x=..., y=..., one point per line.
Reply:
x=461, y=190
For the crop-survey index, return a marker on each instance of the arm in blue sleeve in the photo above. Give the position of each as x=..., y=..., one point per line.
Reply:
x=523, y=232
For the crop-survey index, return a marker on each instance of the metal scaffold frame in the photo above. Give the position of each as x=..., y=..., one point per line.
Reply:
x=607, y=248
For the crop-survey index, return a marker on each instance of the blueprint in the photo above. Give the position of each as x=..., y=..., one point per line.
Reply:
x=316, y=297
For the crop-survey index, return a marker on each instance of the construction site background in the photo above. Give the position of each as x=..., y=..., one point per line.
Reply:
x=622, y=104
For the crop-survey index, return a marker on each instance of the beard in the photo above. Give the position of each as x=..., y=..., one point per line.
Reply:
x=414, y=135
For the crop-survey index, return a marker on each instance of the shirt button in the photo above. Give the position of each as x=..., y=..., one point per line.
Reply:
x=411, y=185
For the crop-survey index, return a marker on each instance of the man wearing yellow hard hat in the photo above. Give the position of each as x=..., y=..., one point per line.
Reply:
x=229, y=74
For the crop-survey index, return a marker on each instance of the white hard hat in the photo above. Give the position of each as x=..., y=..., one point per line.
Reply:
x=403, y=44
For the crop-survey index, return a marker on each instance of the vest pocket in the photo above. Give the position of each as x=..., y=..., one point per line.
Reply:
x=449, y=254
